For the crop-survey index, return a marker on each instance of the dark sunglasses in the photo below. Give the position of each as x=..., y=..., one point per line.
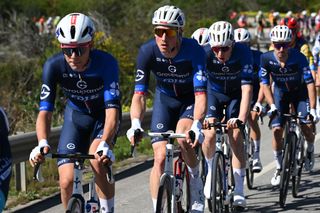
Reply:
x=278, y=46
x=222, y=49
x=169, y=32
x=79, y=50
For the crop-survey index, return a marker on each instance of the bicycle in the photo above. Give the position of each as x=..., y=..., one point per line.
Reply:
x=222, y=184
x=173, y=195
x=293, y=157
x=77, y=202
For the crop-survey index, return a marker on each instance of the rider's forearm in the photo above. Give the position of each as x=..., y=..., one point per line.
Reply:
x=110, y=125
x=43, y=125
x=260, y=94
x=200, y=107
x=246, y=95
x=138, y=106
x=268, y=94
x=312, y=95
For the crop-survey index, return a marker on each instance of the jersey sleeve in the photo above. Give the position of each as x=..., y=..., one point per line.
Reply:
x=247, y=66
x=263, y=72
x=49, y=85
x=142, y=70
x=111, y=85
x=307, y=76
x=199, y=70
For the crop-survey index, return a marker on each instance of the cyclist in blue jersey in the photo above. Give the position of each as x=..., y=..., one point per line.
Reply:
x=89, y=79
x=178, y=65
x=293, y=83
x=229, y=67
x=5, y=159
x=242, y=35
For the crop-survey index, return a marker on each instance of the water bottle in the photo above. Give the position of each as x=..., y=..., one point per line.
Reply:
x=179, y=183
x=92, y=206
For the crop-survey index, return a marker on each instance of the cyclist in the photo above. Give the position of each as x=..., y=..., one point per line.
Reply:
x=229, y=67
x=5, y=159
x=242, y=35
x=316, y=67
x=89, y=80
x=293, y=83
x=260, y=20
x=178, y=64
x=202, y=36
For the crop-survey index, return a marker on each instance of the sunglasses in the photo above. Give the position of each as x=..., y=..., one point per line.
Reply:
x=169, y=32
x=78, y=50
x=278, y=46
x=222, y=49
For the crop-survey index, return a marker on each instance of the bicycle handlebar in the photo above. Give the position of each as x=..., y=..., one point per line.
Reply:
x=37, y=174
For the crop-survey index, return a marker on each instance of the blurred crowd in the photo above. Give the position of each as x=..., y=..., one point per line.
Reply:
x=46, y=25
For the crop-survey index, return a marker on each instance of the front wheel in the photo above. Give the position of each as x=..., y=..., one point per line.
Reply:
x=75, y=205
x=164, y=195
x=286, y=168
x=249, y=164
x=296, y=178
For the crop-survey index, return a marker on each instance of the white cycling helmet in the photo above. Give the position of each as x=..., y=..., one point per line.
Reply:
x=201, y=35
x=281, y=33
x=170, y=16
x=241, y=35
x=75, y=28
x=221, y=34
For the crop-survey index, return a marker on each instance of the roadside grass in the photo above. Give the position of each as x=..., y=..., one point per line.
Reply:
x=38, y=190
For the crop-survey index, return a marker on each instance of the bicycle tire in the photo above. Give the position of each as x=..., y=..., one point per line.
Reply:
x=296, y=179
x=218, y=187
x=164, y=195
x=76, y=204
x=249, y=164
x=286, y=168
x=184, y=204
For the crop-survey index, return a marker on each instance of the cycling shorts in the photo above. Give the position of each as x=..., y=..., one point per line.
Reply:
x=79, y=130
x=299, y=100
x=167, y=111
x=218, y=102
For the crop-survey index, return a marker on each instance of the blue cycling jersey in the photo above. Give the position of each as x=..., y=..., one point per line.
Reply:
x=292, y=76
x=227, y=78
x=93, y=89
x=256, y=64
x=176, y=76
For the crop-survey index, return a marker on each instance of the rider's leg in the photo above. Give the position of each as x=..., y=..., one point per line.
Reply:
x=159, y=152
x=66, y=182
x=104, y=189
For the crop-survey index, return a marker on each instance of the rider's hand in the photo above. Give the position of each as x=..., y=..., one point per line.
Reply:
x=35, y=155
x=273, y=110
x=135, y=124
x=233, y=123
x=196, y=128
x=258, y=108
x=107, y=157
x=313, y=113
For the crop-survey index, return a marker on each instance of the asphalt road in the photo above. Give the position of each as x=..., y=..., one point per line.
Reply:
x=132, y=189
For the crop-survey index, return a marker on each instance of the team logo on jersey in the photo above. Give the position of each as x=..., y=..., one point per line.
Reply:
x=45, y=91
x=306, y=71
x=71, y=146
x=201, y=76
x=172, y=69
x=82, y=84
x=139, y=75
x=114, y=89
x=283, y=70
x=247, y=68
x=225, y=69
x=213, y=108
x=263, y=71
x=159, y=125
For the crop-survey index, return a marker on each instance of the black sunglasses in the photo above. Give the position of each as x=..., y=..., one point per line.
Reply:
x=284, y=45
x=79, y=51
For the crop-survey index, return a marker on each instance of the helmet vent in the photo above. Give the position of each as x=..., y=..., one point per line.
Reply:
x=73, y=31
x=61, y=32
x=85, y=32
